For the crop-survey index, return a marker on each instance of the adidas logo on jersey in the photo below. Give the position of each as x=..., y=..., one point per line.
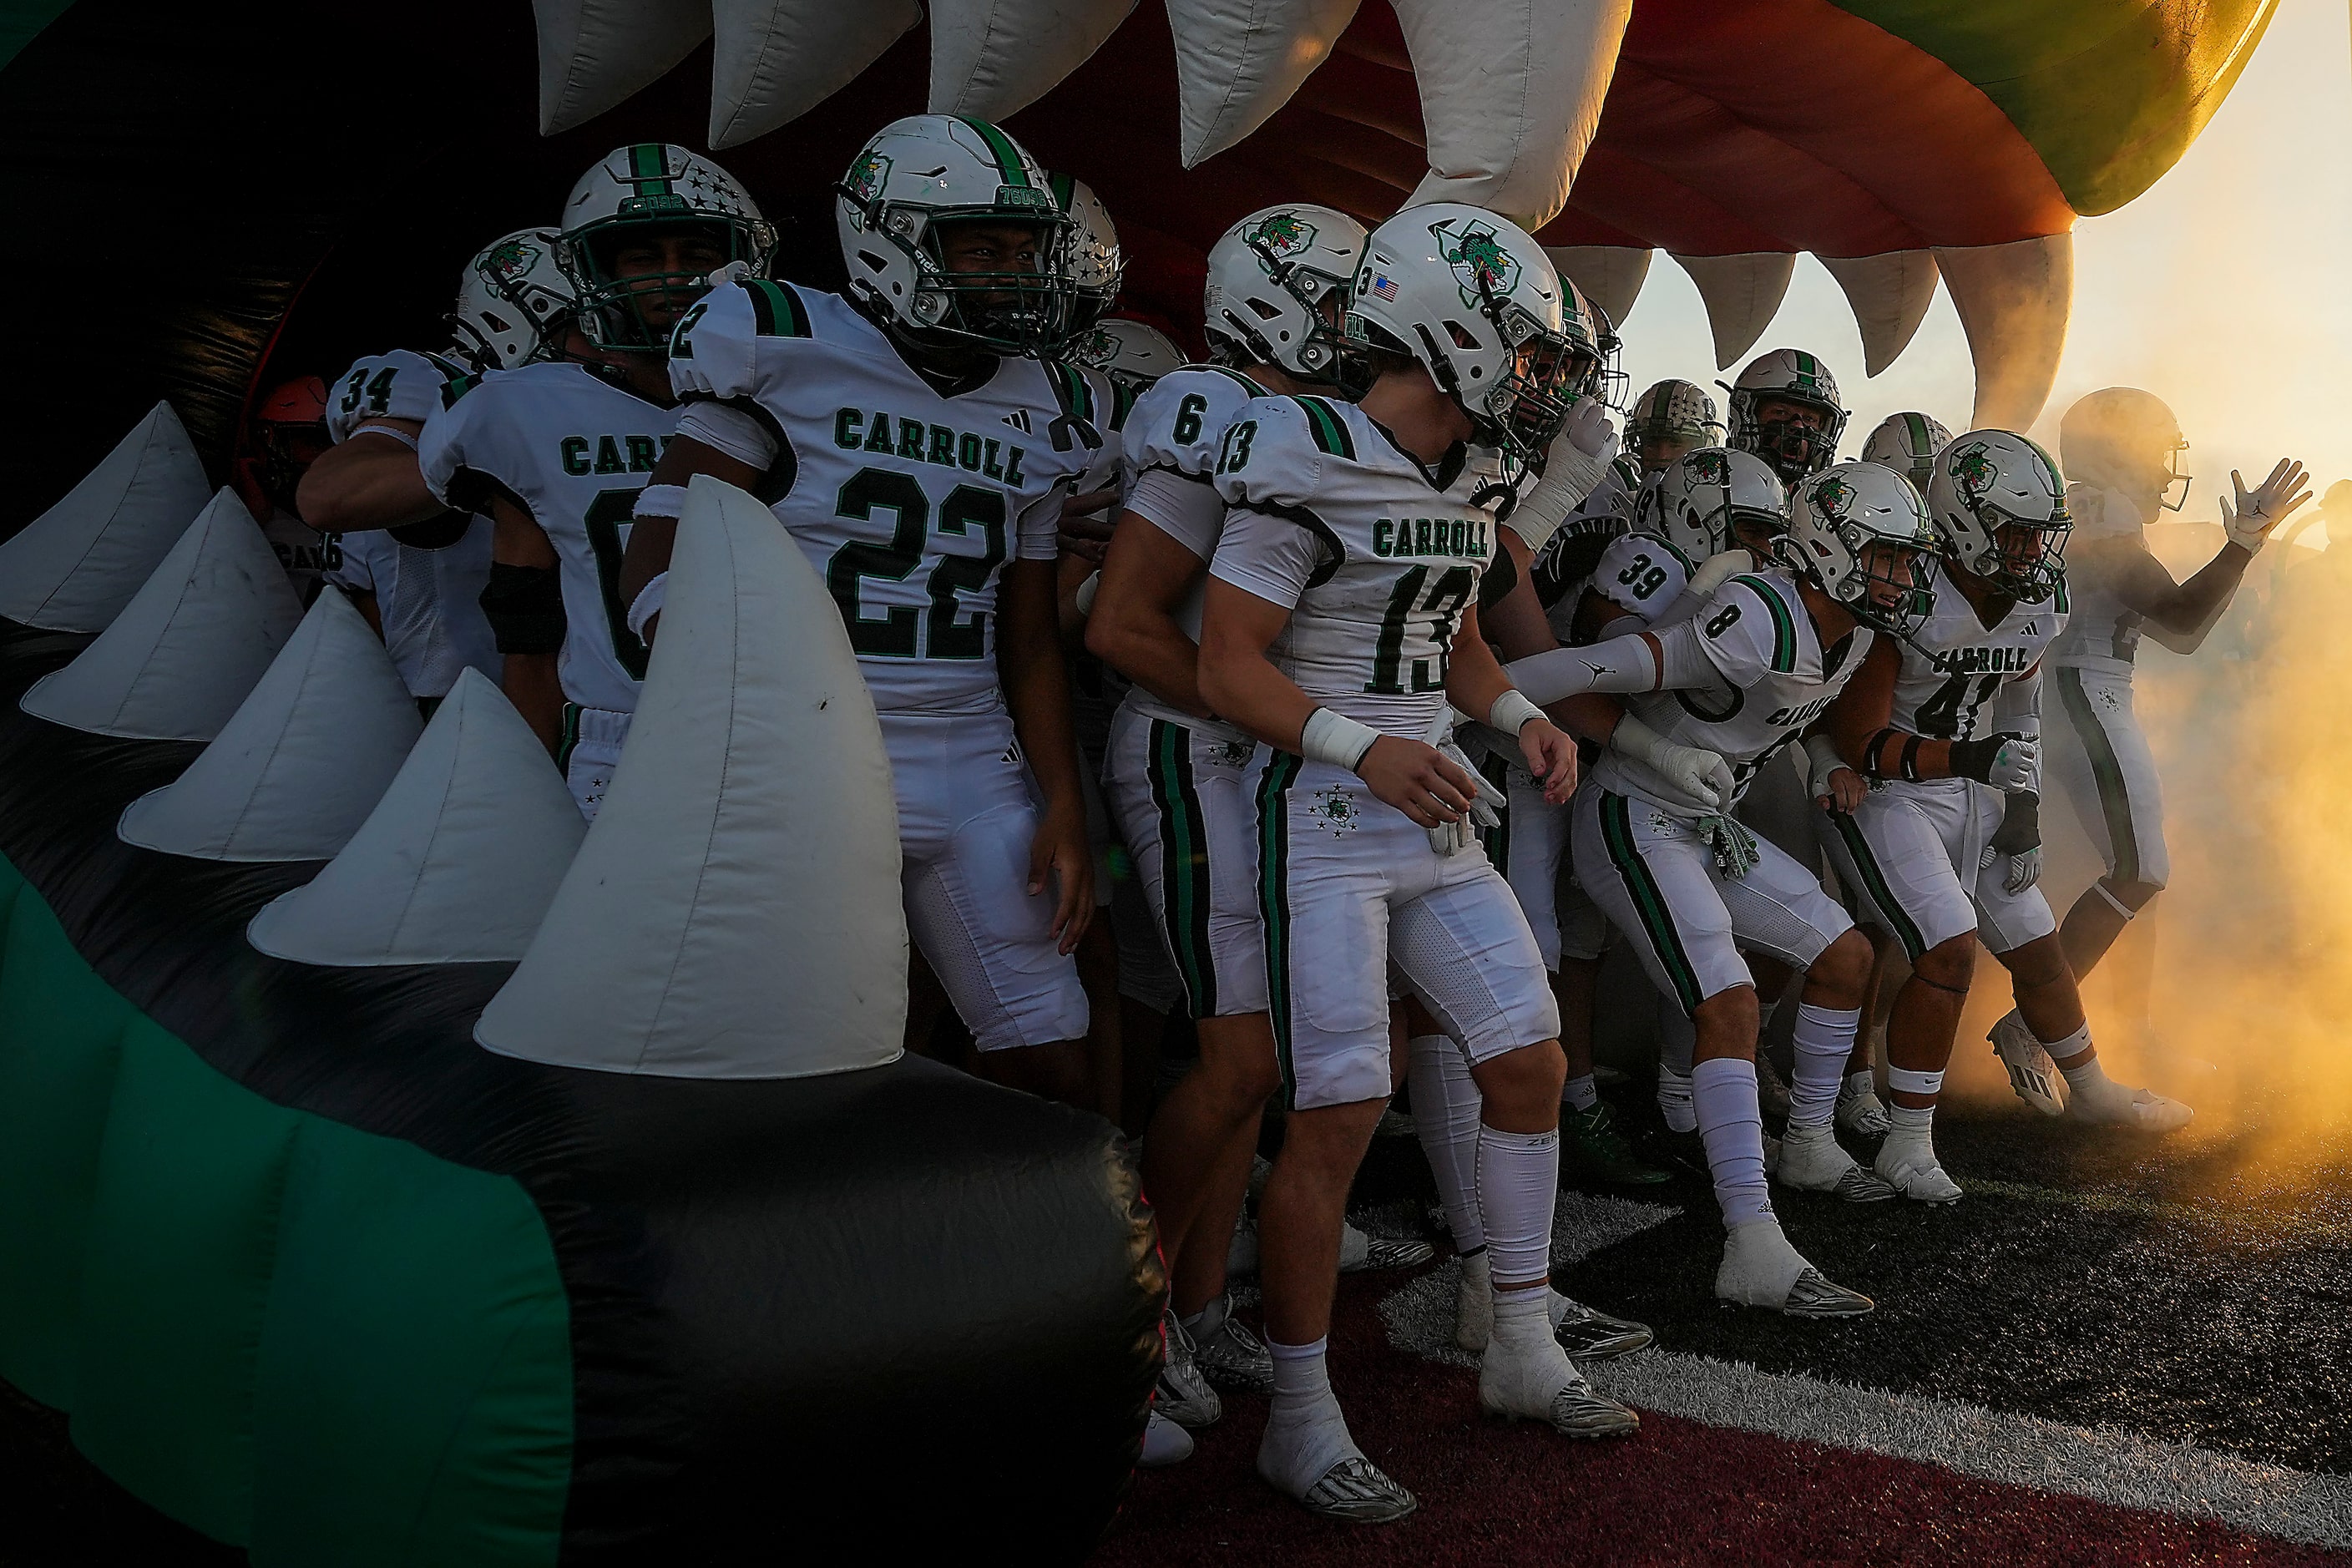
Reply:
x=853, y=430
x=1019, y=420
x=1463, y=537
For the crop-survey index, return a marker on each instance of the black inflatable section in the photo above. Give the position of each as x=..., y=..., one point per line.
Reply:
x=881, y=1313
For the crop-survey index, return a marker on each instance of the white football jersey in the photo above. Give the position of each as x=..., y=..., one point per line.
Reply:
x=1376, y=557
x=430, y=601
x=573, y=450
x=402, y=384
x=907, y=501
x=1953, y=665
x=1642, y=573
x=1773, y=679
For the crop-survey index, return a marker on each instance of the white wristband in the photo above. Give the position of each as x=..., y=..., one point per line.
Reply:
x=647, y=605
x=1511, y=711
x=1082, y=600
x=395, y=431
x=661, y=501
x=1334, y=738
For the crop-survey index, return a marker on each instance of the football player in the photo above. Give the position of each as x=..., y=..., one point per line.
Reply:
x=421, y=585
x=557, y=451
x=2119, y=448
x=1178, y=777
x=1670, y=418
x=1339, y=623
x=1785, y=409
x=285, y=436
x=1742, y=677
x=1907, y=443
x=918, y=441
x=1944, y=847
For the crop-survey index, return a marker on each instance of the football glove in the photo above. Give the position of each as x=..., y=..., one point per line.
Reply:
x=2010, y=763
x=1486, y=806
x=2019, y=840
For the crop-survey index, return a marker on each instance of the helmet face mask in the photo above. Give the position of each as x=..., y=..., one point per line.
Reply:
x=1713, y=499
x=2122, y=438
x=953, y=239
x=1862, y=534
x=644, y=231
x=1278, y=294
x=1999, y=509
x=1769, y=405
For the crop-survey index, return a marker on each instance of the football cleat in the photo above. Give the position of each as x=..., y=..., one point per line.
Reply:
x=1588, y=1335
x=1164, y=1443
x=2142, y=1109
x=1540, y=1383
x=1361, y=1253
x=1234, y=1358
x=1863, y=1114
x=1357, y=1491
x=1812, y=1161
x=2032, y=1073
x=1910, y=1167
x=1183, y=1395
x=1771, y=1088
x=1394, y=1124
x=1592, y=1147
x=1760, y=1269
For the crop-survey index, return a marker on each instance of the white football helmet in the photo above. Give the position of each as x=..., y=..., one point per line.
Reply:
x=1862, y=533
x=510, y=298
x=1714, y=500
x=1131, y=354
x=1607, y=379
x=1907, y=443
x=1476, y=301
x=1277, y=286
x=2125, y=439
x=917, y=178
x=2000, y=506
x=653, y=189
x=1788, y=376
x=1670, y=412
x=1095, y=265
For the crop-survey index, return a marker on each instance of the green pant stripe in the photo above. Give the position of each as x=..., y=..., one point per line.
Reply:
x=1273, y=903
x=2107, y=772
x=570, y=739
x=1649, y=900
x=1184, y=865
x=1874, y=886
x=1496, y=840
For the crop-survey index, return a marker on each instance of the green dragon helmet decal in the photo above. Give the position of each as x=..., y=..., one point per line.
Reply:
x=1479, y=261
x=1281, y=237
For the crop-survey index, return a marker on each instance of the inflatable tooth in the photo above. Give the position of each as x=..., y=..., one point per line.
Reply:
x=304, y=760
x=735, y=911
x=2013, y=301
x=1610, y=275
x=1890, y=294
x=995, y=57
x=191, y=642
x=75, y=566
x=593, y=55
x=458, y=862
x=774, y=60
x=1237, y=61
x=1742, y=294
x=1510, y=96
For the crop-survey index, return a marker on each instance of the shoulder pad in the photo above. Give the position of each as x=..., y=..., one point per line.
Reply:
x=1783, y=621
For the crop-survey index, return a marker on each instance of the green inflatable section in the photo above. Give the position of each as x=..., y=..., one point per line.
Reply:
x=318, y=1343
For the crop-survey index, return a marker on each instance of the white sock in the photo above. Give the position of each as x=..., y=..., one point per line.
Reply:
x=1910, y=1121
x=1824, y=1041
x=1858, y=1084
x=1678, y=1037
x=2073, y=1045
x=1518, y=1183
x=1723, y=1093
x=1581, y=1092
x=1523, y=1317
x=1306, y=1434
x=1445, y=1103
x=1674, y=1100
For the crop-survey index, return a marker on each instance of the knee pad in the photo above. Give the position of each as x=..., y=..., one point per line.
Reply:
x=2126, y=899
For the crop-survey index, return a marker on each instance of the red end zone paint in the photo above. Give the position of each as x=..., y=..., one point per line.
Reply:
x=1679, y=1493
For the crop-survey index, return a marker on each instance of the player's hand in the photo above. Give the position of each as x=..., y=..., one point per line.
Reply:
x=1718, y=569
x=2019, y=838
x=2249, y=523
x=1486, y=807
x=1085, y=524
x=1551, y=757
x=1417, y=779
x=1060, y=852
x=2010, y=763
x=1841, y=791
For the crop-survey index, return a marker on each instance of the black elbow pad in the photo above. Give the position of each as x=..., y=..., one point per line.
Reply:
x=524, y=606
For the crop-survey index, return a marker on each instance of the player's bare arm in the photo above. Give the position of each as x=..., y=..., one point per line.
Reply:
x=1475, y=683
x=2187, y=611
x=653, y=538
x=1858, y=721
x=371, y=480
x=1146, y=576
x=1244, y=687
x=1037, y=692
